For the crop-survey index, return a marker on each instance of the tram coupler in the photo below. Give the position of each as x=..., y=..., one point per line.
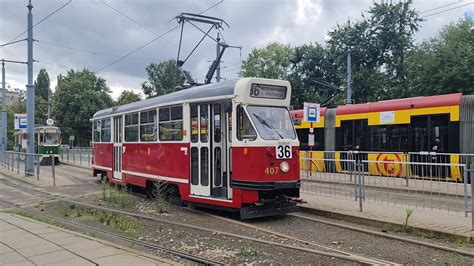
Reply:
x=268, y=209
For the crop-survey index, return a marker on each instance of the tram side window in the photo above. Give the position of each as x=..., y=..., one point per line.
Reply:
x=194, y=123
x=419, y=133
x=389, y=138
x=246, y=130
x=439, y=133
x=131, y=127
x=148, y=126
x=171, y=123
x=97, y=130
x=105, y=130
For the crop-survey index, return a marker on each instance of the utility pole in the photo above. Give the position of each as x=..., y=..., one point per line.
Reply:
x=30, y=99
x=218, y=52
x=3, y=132
x=349, y=77
x=49, y=102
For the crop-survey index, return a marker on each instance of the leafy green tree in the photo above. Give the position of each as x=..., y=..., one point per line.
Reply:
x=162, y=78
x=393, y=25
x=41, y=108
x=128, y=97
x=10, y=127
x=445, y=63
x=42, y=84
x=78, y=95
x=272, y=62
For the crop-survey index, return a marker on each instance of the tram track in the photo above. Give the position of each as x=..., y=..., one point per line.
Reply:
x=321, y=249
x=148, y=245
x=327, y=252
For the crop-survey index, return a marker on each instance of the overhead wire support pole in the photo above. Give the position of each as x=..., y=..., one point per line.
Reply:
x=30, y=99
x=3, y=133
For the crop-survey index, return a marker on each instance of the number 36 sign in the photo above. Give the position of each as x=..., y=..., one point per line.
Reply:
x=283, y=152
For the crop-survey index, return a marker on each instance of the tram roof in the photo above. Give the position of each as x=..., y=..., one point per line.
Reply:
x=225, y=88
x=392, y=105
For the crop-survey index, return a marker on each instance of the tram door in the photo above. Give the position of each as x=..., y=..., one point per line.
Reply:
x=118, y=147
x=208, y=150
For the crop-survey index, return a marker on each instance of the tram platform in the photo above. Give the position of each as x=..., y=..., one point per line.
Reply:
x=27, y=242
x=445, y=224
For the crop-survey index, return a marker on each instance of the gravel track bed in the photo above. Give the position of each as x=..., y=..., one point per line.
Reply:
x=228, y=250
x=361, y=243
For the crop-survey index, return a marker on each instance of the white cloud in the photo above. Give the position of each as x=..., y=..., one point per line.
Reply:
x=307, y=10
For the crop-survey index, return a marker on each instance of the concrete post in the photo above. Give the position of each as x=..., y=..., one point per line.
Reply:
x=30, y=98
x=349, y=77
x=3, y=130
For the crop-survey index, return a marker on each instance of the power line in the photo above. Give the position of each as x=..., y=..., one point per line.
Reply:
x=45, y=18
x=134, y=21
x=151, y=41
x=446, y=10
x=136, y=49
x=425, y=11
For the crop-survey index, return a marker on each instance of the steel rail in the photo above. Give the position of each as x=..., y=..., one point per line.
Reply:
x=404, y=239
x=373, y=261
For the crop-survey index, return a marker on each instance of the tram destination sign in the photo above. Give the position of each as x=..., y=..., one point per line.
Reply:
x=268, y=91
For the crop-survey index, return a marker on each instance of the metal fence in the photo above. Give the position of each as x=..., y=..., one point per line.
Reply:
x=435, y=182
x=81, y=156
x=14, y=163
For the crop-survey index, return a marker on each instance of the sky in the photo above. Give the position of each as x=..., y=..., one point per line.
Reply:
x=93, y=34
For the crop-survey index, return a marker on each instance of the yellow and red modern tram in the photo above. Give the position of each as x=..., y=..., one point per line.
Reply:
x=401, y=130
x=229, y=145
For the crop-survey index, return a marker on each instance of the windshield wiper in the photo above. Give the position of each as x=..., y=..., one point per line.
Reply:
x=263, y=122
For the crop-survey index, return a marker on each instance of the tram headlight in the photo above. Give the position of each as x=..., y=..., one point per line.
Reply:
x=285, y=167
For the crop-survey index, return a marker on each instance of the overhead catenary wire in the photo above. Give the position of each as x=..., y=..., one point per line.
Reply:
x=446, y=10
x=43, y=19
x=150, y=42
x=436, y=8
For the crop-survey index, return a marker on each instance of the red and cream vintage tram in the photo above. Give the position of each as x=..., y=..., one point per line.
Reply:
x=229, y=145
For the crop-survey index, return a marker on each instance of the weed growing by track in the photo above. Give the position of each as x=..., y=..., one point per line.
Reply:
x=118, y=222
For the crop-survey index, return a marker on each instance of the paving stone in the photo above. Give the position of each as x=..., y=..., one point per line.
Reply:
x=20, y=263
x=11, y=257
x=52, y=257
x=6, y=226
x=84, y=244
x=56, y=235
x=67, y=240
x=75, y=261
x=4, y=248
x=18, y=243
x=38, y=250
x=122, y=259
x=94, y=253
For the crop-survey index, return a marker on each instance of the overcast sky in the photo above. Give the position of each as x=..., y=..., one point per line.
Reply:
x=100, y=35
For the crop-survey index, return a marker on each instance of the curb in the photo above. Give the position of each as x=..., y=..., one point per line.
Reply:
x=381, y=224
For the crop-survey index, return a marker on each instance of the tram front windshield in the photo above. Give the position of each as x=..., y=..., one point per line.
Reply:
x=51, y=137
x=272, y=123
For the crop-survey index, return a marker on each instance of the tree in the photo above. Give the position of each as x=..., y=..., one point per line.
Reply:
x=10, y=127
x=42, y=84
x=272, y=62
x=162, y=78
x=394, y=24
x=445, y=63
x=128, y=97
x=77, y=97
